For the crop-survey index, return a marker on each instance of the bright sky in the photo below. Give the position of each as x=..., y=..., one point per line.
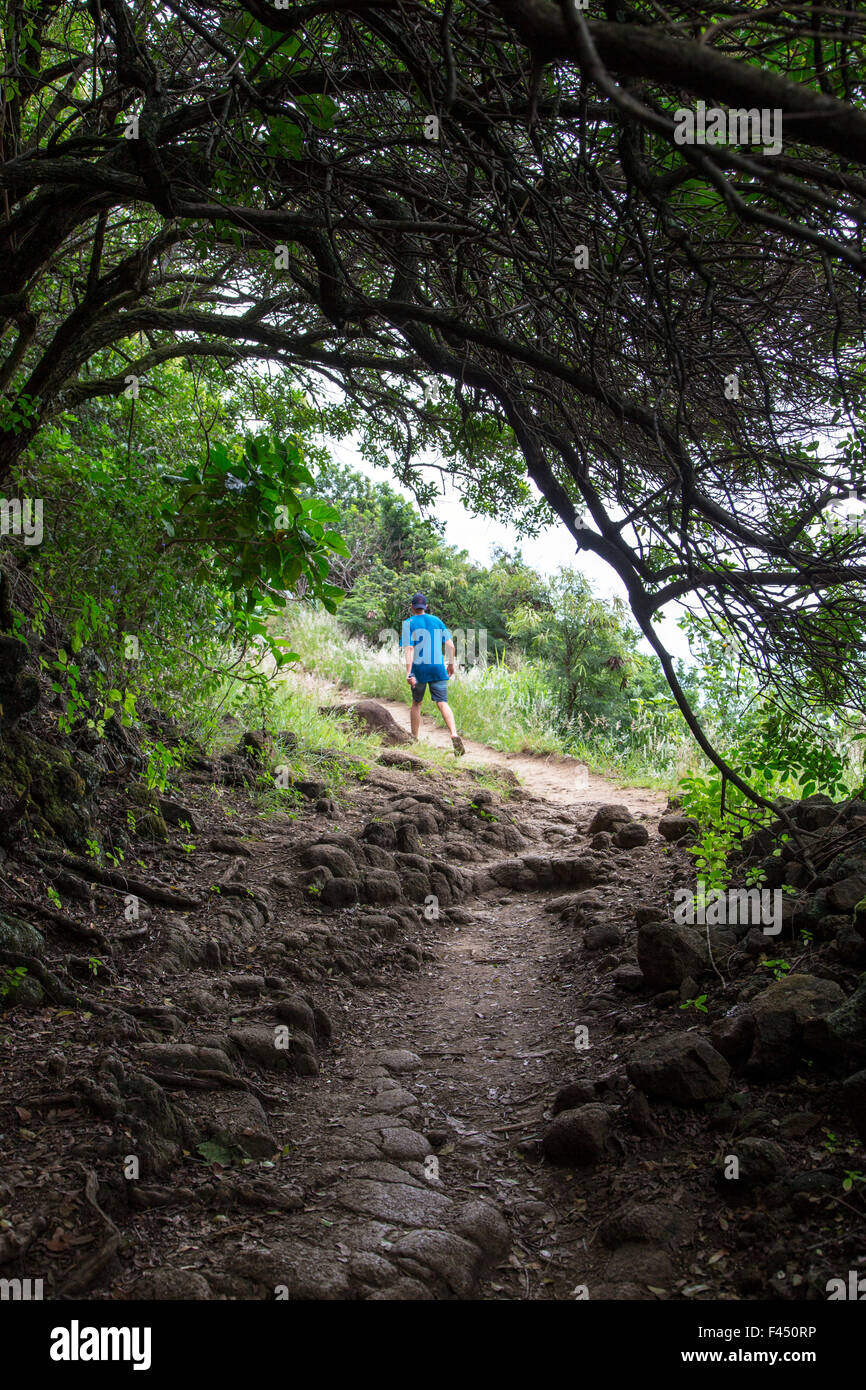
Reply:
x=550, y=551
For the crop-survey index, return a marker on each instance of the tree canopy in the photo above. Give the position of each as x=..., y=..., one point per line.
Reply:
x=468, y=228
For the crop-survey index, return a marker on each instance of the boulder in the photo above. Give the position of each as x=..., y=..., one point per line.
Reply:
x=781, y=1013
x=759, y=1162
x=682, y=1067
x=839, y=1036
x=575, y=1094
x=332, y=857
x=339, y=892
x=375, y=718
x=677, y=827
x=668, y=954
x=609, y=818
x=631, y=835
x=581, y=1135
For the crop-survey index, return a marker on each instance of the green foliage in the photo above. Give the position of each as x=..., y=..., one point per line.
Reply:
x=699, y=1003
x=10, y=978
x=175, y=536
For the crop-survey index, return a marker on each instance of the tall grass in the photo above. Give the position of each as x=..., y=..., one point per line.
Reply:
x=509, y=706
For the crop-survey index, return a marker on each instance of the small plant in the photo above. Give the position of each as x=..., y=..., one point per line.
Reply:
x=699, y=1003
x=130, y=822
x=54, y=896
x=807, y=936
x=93, y=964
x=116, y=856
x=159, y=763
x=189, y=847
x=93, y=848
x=314, y=889
x=853, y=1179
x=779, y=967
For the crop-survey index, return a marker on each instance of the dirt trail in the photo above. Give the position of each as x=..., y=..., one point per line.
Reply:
x=553, y=777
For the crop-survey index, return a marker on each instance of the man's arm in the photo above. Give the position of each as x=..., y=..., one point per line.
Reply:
x=408, y=652
x=449, y=656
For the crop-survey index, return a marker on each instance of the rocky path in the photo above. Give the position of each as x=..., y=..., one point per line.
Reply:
x=425, y=1041
x=552, y=777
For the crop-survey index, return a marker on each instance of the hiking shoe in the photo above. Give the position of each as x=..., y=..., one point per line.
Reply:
x=457, y=744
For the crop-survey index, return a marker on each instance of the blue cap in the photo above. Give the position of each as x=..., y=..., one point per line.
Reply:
x=418, y=601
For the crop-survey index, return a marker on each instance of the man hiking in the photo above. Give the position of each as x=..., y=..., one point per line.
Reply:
x=421, y=644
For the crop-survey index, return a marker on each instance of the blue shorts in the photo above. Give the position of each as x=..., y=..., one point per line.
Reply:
x=438, y=691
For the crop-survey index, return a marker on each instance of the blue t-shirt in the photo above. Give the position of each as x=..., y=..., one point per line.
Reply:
x=427, y=635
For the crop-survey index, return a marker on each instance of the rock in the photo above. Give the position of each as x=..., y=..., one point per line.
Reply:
x=374, y=717
x=267, y=1046
x=854, y=1096
x=402, y=1204
x=393, y=1102
x=224, y=844
x=18, y=935
x=176, y=814
x=641, y=1115
x=846, y=894
x=734, y=1036
x=339, y=892
x=840, y=1036
x=246, y=984
x=457, y=1262
x=643, y=1222
x=677, y=827
x=233, y=1118
x=485, y=1226
x=628, y=977
x=631, y=835
x=404, y=1145
x=399, y=1060
x=340, y=863
x=186, y=1057
x=759, y=1162
x=407, y=761
x=645, y=912
x=601, y=840
x=381, y=886
x=171, y=1284
x=602, y=937
x=575, y=1094
x=314, y=791
x=581, y=1135
x=781, y=1013
x=668, y=954
x=609, y=818
x=151, y=826
x=682, y=1067
x=297, y=1013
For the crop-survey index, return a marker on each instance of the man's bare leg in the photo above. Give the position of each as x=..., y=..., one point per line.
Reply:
x=415, y=717
x=447, y=714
